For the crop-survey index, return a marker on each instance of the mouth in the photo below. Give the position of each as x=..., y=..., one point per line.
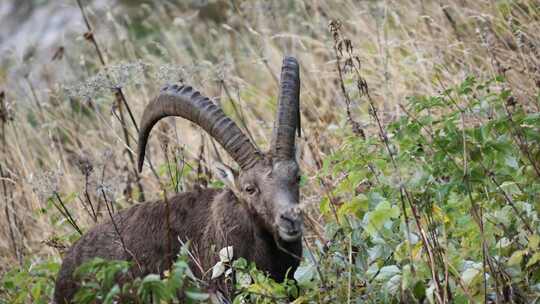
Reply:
x=288, y=235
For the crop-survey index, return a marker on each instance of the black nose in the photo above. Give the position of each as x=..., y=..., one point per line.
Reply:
x=291, y=222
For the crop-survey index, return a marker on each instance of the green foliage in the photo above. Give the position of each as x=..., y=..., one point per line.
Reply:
x=445, y=206
x=174, y=173
x=462, y=180
x=32, y=283
x=113, y=282
x=254, y=286
x=97, y=279
x=455, y=206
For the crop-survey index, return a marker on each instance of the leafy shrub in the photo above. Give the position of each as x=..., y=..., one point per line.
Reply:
x=99, y=282
x=442, y=203
x=33, y=283
x=444, y=206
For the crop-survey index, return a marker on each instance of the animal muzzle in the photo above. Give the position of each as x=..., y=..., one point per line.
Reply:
x=290, y=225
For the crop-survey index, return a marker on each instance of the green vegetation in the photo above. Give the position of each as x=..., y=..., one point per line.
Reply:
x=421, y=151
x=442, y=206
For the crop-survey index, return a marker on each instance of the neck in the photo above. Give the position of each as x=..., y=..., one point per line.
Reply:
x=275, y=256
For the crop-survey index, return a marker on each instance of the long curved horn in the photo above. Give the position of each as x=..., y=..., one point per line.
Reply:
x=185, y=102
x=288, y=113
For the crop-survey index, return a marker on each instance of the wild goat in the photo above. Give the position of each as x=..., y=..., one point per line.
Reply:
x=257, y=213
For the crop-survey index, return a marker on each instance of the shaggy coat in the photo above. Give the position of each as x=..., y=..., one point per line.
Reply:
x=211, y=219
x=259, y=216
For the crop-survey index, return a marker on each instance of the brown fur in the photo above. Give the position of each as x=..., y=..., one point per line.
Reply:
x=210, y=219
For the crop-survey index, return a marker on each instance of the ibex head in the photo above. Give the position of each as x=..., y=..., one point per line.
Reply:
x=267, y=183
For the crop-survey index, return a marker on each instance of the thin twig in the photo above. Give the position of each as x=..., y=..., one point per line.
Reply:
x=119, y=96
x=362, y=86
x=239, y=113
x=4, y=118
x=168, y=224
x=321, y=276
x=335, y=28
x=349, y=279
x=124, y=247
x=88, y=200
x=65, y=212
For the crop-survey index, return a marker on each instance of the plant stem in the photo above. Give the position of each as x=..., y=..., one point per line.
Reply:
x=126, y=252
x=120, y=98
x=65, y=212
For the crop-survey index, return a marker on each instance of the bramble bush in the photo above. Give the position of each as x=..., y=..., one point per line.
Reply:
x=439, y=205
x=34, y=283
x=98, y=283
x=442, y=205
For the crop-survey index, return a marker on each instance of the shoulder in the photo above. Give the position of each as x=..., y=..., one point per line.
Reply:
x=197, y=195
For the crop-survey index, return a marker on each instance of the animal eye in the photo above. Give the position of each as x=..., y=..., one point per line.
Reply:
x=298, y=178
x=250, y=189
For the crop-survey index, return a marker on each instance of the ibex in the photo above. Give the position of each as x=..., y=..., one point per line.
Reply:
x=257, y=213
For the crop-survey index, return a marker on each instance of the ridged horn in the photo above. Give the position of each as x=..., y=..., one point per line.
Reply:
x=288, y=113
x=185, y=102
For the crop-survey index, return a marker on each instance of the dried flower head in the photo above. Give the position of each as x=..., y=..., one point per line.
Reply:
x=107, y=189
x=84, y=164
x=46, y=184
x=124, y=74
x=112, y=77
x=169, y=73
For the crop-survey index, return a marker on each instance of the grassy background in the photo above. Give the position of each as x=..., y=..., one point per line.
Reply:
x=65, y=135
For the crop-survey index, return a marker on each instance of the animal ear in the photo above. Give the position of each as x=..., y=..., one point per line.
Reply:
x=225, y=174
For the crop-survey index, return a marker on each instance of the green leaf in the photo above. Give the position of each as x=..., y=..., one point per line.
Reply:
x=304, y=274
x=393, y=285
x=534, y=241
x=324, y=207
x=240, y=263
x=243, y=279
x=419, y=290
x=533, y=260
x=511, y=161
x=109, y=299
x=153, y=288
x=85, y=295
x=378, y=217
x=197, y=296
x=516, y=257
x=511, y=188
x=469, y=275
x=151, y=278
x=387, y=272
x=357, y=206
x=36, y=291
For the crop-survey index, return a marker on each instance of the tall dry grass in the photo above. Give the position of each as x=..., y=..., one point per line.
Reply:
x=66, y=145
